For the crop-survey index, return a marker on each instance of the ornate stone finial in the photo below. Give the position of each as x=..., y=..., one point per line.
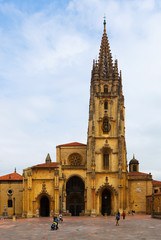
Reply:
x=15, y=170
x=133, y=156
x=48, y=159
x=120, y=75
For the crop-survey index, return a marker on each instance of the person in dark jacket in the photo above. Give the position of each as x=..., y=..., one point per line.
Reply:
x=117, y=219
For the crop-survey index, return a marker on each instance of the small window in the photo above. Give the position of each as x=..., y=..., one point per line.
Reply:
x=155, y=190
x=9, y=203
x=134, y=168
x=106, y=161
x=105, y=105
x=105, y=89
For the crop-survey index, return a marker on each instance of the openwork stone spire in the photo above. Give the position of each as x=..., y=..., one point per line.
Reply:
x=105, y=64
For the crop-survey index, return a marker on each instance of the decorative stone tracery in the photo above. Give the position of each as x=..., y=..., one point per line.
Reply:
x=75, y=159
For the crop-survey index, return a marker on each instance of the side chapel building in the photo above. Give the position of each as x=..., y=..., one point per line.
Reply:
x=92, y=178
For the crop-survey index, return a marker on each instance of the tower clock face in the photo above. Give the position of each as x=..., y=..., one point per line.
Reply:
x=106, y=126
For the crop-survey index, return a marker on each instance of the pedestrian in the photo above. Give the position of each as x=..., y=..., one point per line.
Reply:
x=117, y=219
x=61, y=218
x=123, y=214
x=133, y=212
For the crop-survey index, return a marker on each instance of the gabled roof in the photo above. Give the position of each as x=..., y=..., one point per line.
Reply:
x=156, y=182
x=12, y=177
x=46, y=165
x=137, y=173
x=72, y=144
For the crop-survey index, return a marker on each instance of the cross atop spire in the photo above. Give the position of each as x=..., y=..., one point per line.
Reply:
x=104, y=22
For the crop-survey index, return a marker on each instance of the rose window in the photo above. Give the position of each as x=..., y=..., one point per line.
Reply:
x=75, y=159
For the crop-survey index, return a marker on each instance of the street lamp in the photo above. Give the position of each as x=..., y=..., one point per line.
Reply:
x=152, y=204
x=60, y=204
x=14, y=206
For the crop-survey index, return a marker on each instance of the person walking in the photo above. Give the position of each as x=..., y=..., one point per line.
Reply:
x=123, y=214
x=117, y=219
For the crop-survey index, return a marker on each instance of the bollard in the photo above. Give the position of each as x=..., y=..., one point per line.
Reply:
x=105, y=215
x=14, y=218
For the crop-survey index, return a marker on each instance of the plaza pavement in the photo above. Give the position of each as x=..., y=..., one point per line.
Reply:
x=139, y=227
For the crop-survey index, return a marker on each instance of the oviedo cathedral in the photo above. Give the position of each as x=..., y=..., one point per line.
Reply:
x=87, y=179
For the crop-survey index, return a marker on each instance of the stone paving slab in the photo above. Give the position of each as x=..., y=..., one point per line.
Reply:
x=139, y=227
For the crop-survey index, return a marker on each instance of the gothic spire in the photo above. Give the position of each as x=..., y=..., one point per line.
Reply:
x=105, y=64
x=48, y=159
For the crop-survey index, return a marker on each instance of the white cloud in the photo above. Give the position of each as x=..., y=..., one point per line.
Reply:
x=45, y=65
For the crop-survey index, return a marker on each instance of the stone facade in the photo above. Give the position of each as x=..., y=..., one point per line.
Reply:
x=92, y=179
x=11, y=192
x=153, y=201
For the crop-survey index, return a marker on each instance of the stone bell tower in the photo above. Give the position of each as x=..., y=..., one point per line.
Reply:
x=106, y=147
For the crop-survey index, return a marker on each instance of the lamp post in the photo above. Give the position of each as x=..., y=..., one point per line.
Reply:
x=14, y=206
x=14, y=216
x=106, y=207
x=59, y=204
x=152, y=204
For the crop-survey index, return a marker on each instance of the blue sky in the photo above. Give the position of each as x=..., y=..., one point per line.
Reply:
x=46, y=54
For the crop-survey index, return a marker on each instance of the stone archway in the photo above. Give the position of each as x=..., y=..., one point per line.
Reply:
x=107, y=199
x=44, y=206
x=75, y=196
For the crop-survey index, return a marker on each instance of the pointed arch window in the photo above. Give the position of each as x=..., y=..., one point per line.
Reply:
x=105, y=89
x=106, y=161
x=105, y=105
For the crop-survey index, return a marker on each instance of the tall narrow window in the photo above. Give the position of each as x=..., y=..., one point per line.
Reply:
x=106, y=161
x=105, y=105
x=105, y=89
x=9, y=203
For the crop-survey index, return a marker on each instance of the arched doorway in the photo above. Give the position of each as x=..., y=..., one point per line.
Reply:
x=75, y=196
x=106, y=202
x=44, y=207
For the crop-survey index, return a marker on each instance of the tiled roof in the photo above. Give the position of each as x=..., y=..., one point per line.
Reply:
x=156, y=182
x=11, y=177
x=72, y=144
x=137, y=173
x=46, y=165
x=155, y=194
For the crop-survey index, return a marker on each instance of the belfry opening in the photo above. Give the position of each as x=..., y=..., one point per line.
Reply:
x=75, y=196
x=44, y=206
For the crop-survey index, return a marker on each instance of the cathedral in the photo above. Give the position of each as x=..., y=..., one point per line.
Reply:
x=87, y=179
